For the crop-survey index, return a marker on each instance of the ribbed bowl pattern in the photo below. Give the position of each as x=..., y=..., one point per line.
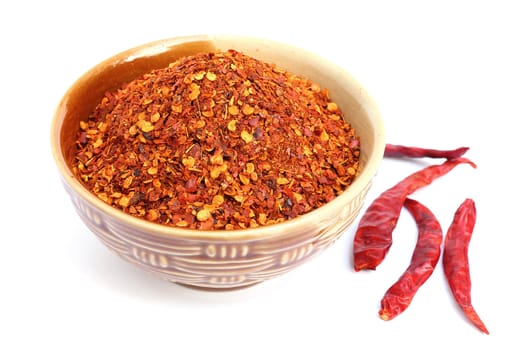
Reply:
x=215, y=263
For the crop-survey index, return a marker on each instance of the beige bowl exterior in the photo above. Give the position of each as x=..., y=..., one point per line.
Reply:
x=217, y=259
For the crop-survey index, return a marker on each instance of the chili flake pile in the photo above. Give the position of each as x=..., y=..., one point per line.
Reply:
x=217, y=141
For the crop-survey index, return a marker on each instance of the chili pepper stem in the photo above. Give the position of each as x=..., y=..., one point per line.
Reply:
x=385, y=316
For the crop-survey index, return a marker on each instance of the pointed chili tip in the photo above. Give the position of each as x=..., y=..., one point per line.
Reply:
x=473, y=316
x=479, y=324
x=458, y=153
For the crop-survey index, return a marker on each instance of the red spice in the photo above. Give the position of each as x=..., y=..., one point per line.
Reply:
x=374, y=232
x=397, y=151
x=217, y=141
x=455, y=259
x=374, y=235
x=424, y=260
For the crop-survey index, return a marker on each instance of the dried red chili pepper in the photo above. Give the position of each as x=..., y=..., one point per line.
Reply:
x=455, y=259
x=398, y=151
x=424, y=259
x=374, y=233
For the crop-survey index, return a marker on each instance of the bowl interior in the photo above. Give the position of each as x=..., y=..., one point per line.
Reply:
x=82, y=98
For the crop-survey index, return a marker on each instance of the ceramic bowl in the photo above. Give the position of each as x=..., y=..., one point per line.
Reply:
x=220, y=259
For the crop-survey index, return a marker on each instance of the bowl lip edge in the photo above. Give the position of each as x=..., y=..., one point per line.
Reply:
x=359, y=184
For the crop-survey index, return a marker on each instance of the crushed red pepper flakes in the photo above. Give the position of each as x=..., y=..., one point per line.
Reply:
x=217, y=141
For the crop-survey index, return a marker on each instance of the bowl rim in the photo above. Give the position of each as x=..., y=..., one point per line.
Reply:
x=365, y=174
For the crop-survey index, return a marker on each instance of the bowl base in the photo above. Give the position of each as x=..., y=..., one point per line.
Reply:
x=214, y=289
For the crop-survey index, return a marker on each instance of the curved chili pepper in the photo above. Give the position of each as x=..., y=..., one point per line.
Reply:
x=373, y=237
x=398, y=151
x=424, y=259
x=455, y=259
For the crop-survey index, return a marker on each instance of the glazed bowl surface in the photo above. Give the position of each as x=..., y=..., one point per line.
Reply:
x=217, y=259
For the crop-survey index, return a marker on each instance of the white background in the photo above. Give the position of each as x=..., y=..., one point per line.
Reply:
x=444, y=74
